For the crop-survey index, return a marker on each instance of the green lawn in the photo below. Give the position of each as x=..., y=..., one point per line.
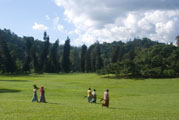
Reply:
x=145, y=99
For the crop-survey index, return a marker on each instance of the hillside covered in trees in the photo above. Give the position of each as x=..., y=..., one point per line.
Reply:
x=137, y=58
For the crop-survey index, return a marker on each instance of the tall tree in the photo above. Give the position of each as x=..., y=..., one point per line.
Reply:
x=93, y=59
x=34, y=59
x=99, y=62
x=29, y=42
x=115, y=55
x=75, y=59
x=54, y=65
x=66, y=53
x=9, y=64
x=44, y=54
x=83, y=54
x=88, y=59
x=1, y=63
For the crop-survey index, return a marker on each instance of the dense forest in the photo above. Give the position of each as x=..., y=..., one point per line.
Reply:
x=136, y=58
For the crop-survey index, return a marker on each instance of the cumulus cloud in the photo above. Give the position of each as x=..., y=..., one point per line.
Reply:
x=41, y=27
x=60, y=27
x=109, y=20
x=57, y=25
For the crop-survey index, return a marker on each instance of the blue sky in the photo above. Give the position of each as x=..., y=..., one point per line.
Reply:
x=87, y=21
x=20, y=16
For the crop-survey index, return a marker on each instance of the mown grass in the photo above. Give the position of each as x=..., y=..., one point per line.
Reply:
x=147, y=99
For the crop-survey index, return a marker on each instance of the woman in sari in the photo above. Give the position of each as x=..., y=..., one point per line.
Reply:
x=42, y=94
x=35, y=98
x=106, y=98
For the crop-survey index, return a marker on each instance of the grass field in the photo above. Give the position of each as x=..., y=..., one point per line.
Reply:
x=145, y=99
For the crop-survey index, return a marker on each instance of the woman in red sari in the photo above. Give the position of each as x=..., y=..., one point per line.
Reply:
x=42, y=94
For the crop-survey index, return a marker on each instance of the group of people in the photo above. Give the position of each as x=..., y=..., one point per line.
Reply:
x=42, y=94
x=92, y=97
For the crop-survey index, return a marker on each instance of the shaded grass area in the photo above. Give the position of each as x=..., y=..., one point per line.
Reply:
x=8, y=91
x=149, y=99
x=13, y=80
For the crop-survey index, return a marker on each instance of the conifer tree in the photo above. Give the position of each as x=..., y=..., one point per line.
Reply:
x=54, y=65
x=9, y=65
x=99, y=62
x=66, y=53
x=29, y=43
x=43, y=59
x=83, y=53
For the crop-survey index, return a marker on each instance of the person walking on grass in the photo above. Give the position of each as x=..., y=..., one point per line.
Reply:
x=94, y=96
x=42, y=94
x=35, y=98
x=89, y=95
x=106, y=98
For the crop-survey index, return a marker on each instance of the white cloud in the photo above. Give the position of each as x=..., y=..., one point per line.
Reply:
x=109, y=20
x=37, y=26
x=47, y=17
x=60, y=27
x=55, y=21
x=57, y=25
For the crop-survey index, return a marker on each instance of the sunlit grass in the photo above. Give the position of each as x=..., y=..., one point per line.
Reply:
x=147, y=99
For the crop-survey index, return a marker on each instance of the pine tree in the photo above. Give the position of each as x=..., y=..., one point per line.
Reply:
x=83, y=53
x=29, y=43
x=99, y=62
x=66, y=53
x=88, y=59
x=54, y=65
x=43, y=59
x=93, y=59
x=34, y=59
x=115, y=55
x=9, y=65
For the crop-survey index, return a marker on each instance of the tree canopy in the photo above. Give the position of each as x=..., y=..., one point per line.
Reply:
x=136, y=58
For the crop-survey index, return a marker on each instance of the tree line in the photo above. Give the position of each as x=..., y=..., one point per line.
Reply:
x=144, y=58
x=27, y=55
x=137, y=58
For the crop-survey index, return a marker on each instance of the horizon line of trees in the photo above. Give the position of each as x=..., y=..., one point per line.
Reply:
x=39, y=57
x=137, y=58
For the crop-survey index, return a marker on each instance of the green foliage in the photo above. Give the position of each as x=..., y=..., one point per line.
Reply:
x=137, y=58
x=115, y=55
x=44, y=55
x=8, y=65
x=157, y=61
x=66, y=64
x=88, y=59
x=75, y=59
x=83, y=54
x=54, y=65
x=99, y=61
x=27, y=61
